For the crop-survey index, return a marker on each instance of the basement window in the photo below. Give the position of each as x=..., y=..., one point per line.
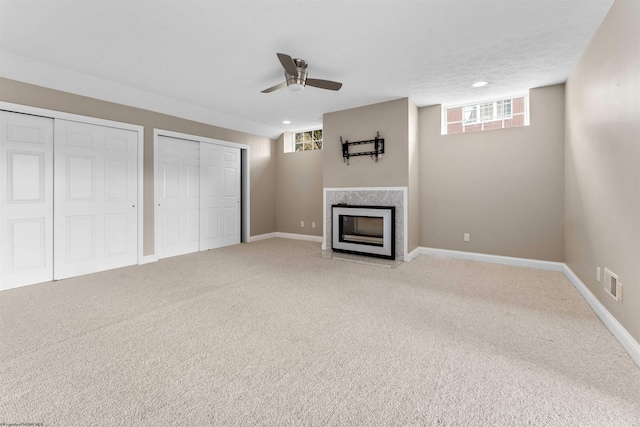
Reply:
x=486, y=115
x=307, y=141
x=303, y=141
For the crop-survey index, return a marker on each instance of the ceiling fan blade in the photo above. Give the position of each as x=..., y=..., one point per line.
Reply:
x=288, y=64
x=276, y=87
x=324, y=84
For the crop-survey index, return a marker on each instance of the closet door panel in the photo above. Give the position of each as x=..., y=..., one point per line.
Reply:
x=219, y=196
x=96, y=213
x=26, y=199
x=177, y=185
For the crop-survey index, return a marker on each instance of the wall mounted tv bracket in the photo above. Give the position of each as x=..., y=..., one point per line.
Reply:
x=375, y=154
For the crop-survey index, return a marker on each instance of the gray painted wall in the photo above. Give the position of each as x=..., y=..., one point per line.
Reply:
x=602, y=177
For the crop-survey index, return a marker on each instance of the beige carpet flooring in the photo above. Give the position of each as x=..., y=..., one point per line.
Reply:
x=270, y=334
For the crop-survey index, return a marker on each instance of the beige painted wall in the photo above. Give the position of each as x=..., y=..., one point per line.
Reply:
x=397, y=121
x=298, y=190
x=504, y=187
x=358, y=124
x=602, y=217
x=262, y=161
x=413, y=196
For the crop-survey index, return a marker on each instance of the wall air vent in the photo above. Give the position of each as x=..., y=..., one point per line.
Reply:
x=612, y=286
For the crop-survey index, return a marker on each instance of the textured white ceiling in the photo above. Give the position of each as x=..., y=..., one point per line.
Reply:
x=208, y=60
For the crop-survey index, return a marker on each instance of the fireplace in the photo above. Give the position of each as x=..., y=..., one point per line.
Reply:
x=365, y=230
x=366, y=197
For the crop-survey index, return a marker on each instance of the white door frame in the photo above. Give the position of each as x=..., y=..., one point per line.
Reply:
x=245, y=174
x=26, y=109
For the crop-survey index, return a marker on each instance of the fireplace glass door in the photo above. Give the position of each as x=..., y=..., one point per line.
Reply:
x=362, y=229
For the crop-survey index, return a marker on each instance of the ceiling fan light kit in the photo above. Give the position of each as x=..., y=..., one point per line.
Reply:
x=295, y=74
x=295, y=87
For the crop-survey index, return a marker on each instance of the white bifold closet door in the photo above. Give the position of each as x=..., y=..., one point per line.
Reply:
x=219, y=196
x=177, y=196
x=26, y=199
x=197, y=195
x=95, y=213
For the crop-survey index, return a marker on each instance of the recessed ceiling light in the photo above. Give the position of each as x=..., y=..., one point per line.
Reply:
x=479, y=84
x=286, y=122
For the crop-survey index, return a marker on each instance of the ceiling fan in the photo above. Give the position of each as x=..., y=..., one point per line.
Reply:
x=295, y=73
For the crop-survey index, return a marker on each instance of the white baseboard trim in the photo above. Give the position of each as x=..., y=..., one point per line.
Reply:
x=286, y=236
x=262, y=237
x=299, y=237
x=147, y=259
x=414, y=253
x=493, y=259
x=619, y=332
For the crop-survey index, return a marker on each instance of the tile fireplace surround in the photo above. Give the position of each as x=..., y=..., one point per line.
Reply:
x=365, y=196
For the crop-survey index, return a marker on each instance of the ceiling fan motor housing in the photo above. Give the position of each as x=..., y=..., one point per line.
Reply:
x=298, y=81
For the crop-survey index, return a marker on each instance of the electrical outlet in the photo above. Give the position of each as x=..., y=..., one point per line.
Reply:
x=301, y=223
x=466, y=237
x=612, y=285
x=313, y=225
x=598, y=274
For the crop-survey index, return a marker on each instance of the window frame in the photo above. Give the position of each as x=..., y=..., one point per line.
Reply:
x=290, y=144
x=479, y=104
